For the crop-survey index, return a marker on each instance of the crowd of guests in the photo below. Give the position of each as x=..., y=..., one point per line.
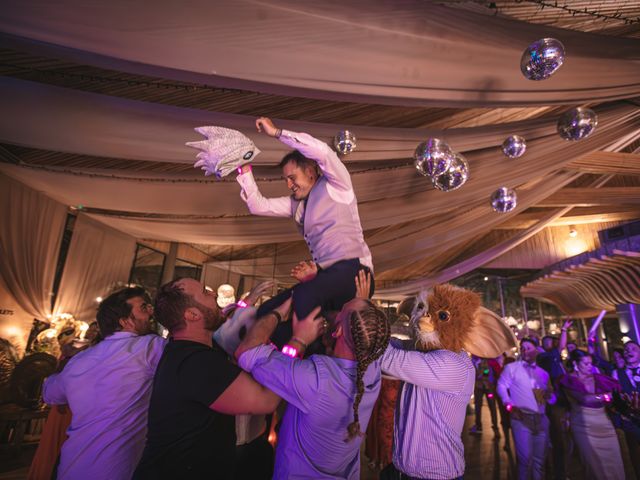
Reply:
x=201, y=403
x=147, y=407
x=557, y=406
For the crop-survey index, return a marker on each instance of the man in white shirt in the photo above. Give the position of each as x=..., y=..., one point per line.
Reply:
x=525, y=390
x=107, y=388
x=324, y=207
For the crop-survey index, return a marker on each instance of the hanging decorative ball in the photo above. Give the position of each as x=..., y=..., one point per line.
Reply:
x=542, y=58
x=455, y=176
x=504, y=200
x=433, y=157
x=344, y=142
x=577, y=123
x=514, y=146
x=226, y=295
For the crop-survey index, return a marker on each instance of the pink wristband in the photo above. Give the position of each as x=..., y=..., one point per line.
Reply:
x=241, y=304
x=290, y=351
x=240, y=169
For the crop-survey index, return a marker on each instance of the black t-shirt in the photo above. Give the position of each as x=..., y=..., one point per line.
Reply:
x=186, y=439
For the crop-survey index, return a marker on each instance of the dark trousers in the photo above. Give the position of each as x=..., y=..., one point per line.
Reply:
x=390, y=472
x=632, y=437
x=330, y=289
x=478, y=394
x=557, y=435
x=254, y=460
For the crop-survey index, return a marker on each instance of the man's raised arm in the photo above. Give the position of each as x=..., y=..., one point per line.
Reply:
x=332, y=167
x=257, y=203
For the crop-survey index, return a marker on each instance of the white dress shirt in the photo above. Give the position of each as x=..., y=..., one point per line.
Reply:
x=516, y=384
x=107, y=388
x=339, y=190
x=340, y=187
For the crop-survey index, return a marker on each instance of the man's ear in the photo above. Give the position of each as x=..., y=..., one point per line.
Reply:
x=490, y=336
x=124, y=322
x=192, y=314
x=311, y=171
x=338, y=332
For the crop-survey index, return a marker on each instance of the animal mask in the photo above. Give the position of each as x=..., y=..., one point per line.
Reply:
x=223, y=151
x=453, y=318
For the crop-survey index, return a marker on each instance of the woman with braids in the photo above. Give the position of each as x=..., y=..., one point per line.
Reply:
x=330, y=397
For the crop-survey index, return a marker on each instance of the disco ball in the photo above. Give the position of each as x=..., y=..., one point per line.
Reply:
x=514, y=146
x=455, y=176
x=542, y=58
x=504, y=200
x=577, y=123
x=345, y=142
x=433, y=157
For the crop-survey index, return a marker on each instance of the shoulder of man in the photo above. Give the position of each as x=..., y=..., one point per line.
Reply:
x=455, y=359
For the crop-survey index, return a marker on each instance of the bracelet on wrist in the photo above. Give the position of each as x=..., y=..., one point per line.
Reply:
x=276, y=314
x=278, y=133
x=296, y=339
x=240, y=172
x=290, y=350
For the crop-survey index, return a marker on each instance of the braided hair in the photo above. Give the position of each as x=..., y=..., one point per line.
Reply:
x=370, y=331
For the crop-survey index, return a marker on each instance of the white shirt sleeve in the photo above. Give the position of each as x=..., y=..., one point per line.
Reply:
x=259, y=205
x=438, y=370
x=155, y=348
x=53, y=390
x=228, y=335
x=337, y=175
x=504, y=383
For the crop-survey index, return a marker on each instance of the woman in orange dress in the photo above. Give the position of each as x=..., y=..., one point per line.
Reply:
x=54, y=432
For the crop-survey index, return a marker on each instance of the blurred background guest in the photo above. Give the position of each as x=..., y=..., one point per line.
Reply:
x=628, y=376
x=551, y=361
x=617, y=359
x=591, y=429
x=525, y=389
x=54, y=432
x=487, y=372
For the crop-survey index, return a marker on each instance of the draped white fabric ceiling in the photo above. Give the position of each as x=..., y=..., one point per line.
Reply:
x=407, y=53
x=403, y=52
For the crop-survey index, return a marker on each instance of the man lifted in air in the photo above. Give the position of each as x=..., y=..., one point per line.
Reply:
x=322, y=203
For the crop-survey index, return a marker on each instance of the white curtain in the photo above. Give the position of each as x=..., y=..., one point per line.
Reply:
x=408, y=52
x=99, y=259
x=31, y=227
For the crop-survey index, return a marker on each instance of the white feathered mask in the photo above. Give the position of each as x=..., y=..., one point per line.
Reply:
x=223, y=151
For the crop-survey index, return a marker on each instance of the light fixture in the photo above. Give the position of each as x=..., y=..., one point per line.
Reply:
x=573, y=233
x=486, y=279
x=98, y=299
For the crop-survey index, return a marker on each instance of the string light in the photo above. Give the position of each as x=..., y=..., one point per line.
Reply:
x=66, y=170
x=122, y=81
x=577, y=11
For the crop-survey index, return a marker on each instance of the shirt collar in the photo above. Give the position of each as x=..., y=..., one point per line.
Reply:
x=118, y=335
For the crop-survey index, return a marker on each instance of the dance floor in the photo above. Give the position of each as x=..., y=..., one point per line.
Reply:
x=486, y=457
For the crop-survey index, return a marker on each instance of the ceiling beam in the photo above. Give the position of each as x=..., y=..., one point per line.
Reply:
x=588, y=216
x=587, y=197
x=607, y=162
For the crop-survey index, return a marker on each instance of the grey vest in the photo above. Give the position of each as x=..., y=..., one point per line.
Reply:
x=331, y=229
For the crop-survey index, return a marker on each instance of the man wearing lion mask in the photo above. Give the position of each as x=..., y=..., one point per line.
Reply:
x=447, y=325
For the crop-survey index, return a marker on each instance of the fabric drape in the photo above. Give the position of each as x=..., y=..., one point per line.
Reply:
x=403, y=53
x=99, y=257
x=31, y=229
